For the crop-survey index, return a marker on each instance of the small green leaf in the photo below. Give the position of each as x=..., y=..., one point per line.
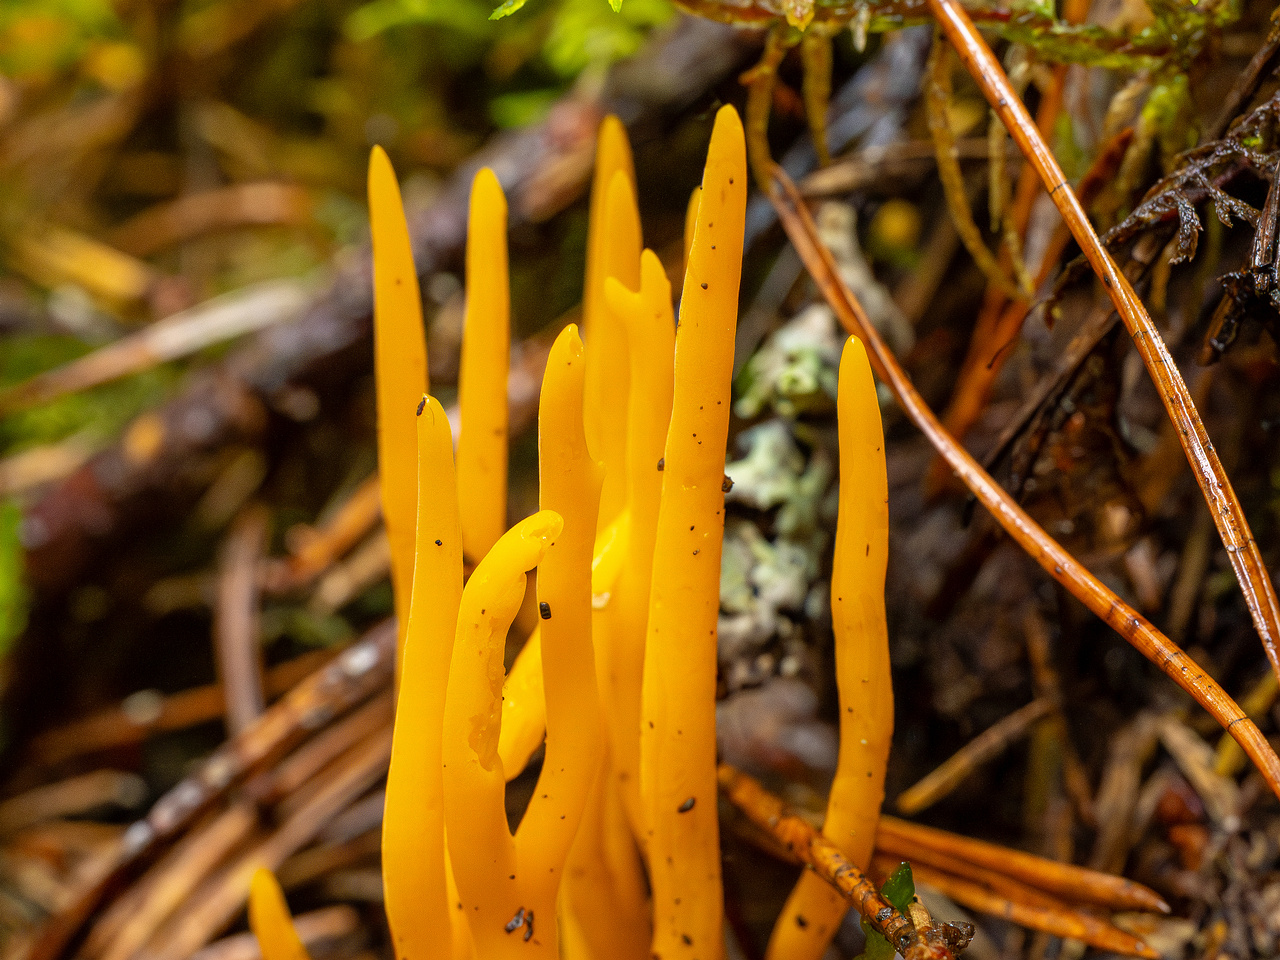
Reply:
x=507, y=8
x=617, y=5
x=899, y=890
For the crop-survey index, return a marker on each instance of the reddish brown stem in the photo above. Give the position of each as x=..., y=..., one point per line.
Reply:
x=914, y=841
x=1228, y=515
x=1051, y=555
x=805, y=844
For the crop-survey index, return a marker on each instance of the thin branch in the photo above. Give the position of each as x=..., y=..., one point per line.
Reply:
x=915, y=841
x=1030, y=910
x=985, y=746
x=1259, y=593
x=236, y=620
x=1051, y=555
x=934, y=942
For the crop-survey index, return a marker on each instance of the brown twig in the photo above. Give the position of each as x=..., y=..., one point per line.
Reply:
x=124, y=927
x=1042, y=548
x=314, y=549
x=1065, y=880
x=191, y=215
x=148, y=712
x=287, y=777
x=224, y=318
x=69, y=798
x=357, y=672
x=1092, y=929
x=1259, y=593
x=1038, y=914
x=810, y=847
x=344, y=781
x=985, y=746
x=235, y=620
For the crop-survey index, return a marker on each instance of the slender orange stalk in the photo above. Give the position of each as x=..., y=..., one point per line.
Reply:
x=270, y=920
x=678, y=742
x=613, y=250
x=414, y=862
x=651, y=335
x=482, y=377
x=570, y=485
x=690, y=222
x=400, y=364
x=813, y=911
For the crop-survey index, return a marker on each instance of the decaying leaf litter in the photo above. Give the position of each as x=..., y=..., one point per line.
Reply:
x=144, y=506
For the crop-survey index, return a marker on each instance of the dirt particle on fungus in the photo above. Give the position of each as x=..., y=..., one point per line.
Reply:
x=544, y=610
x=801, y=922
x=687, y=805
x=695, y=553
x=704, y=286
x=688, y=940
x=422, y=404
x=662, y=463
x=439, y=543
x=726, y=484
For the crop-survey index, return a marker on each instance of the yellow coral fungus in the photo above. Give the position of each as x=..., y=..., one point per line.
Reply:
x=678, y=741
x=400, y=363
x=813, y=912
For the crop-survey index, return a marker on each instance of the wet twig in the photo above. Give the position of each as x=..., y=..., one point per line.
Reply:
x=933, y=941
x=236, y=620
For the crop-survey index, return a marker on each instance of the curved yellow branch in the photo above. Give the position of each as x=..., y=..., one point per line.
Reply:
x=489, y=889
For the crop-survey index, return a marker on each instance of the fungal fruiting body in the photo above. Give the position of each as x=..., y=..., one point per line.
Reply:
x=414, y=863
x=482, y=374
x=814, y=910
x=650, y=327
x=677, y=730
x=269, y=919
x=620, y=673
x=613, y=250
x=400, y=362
